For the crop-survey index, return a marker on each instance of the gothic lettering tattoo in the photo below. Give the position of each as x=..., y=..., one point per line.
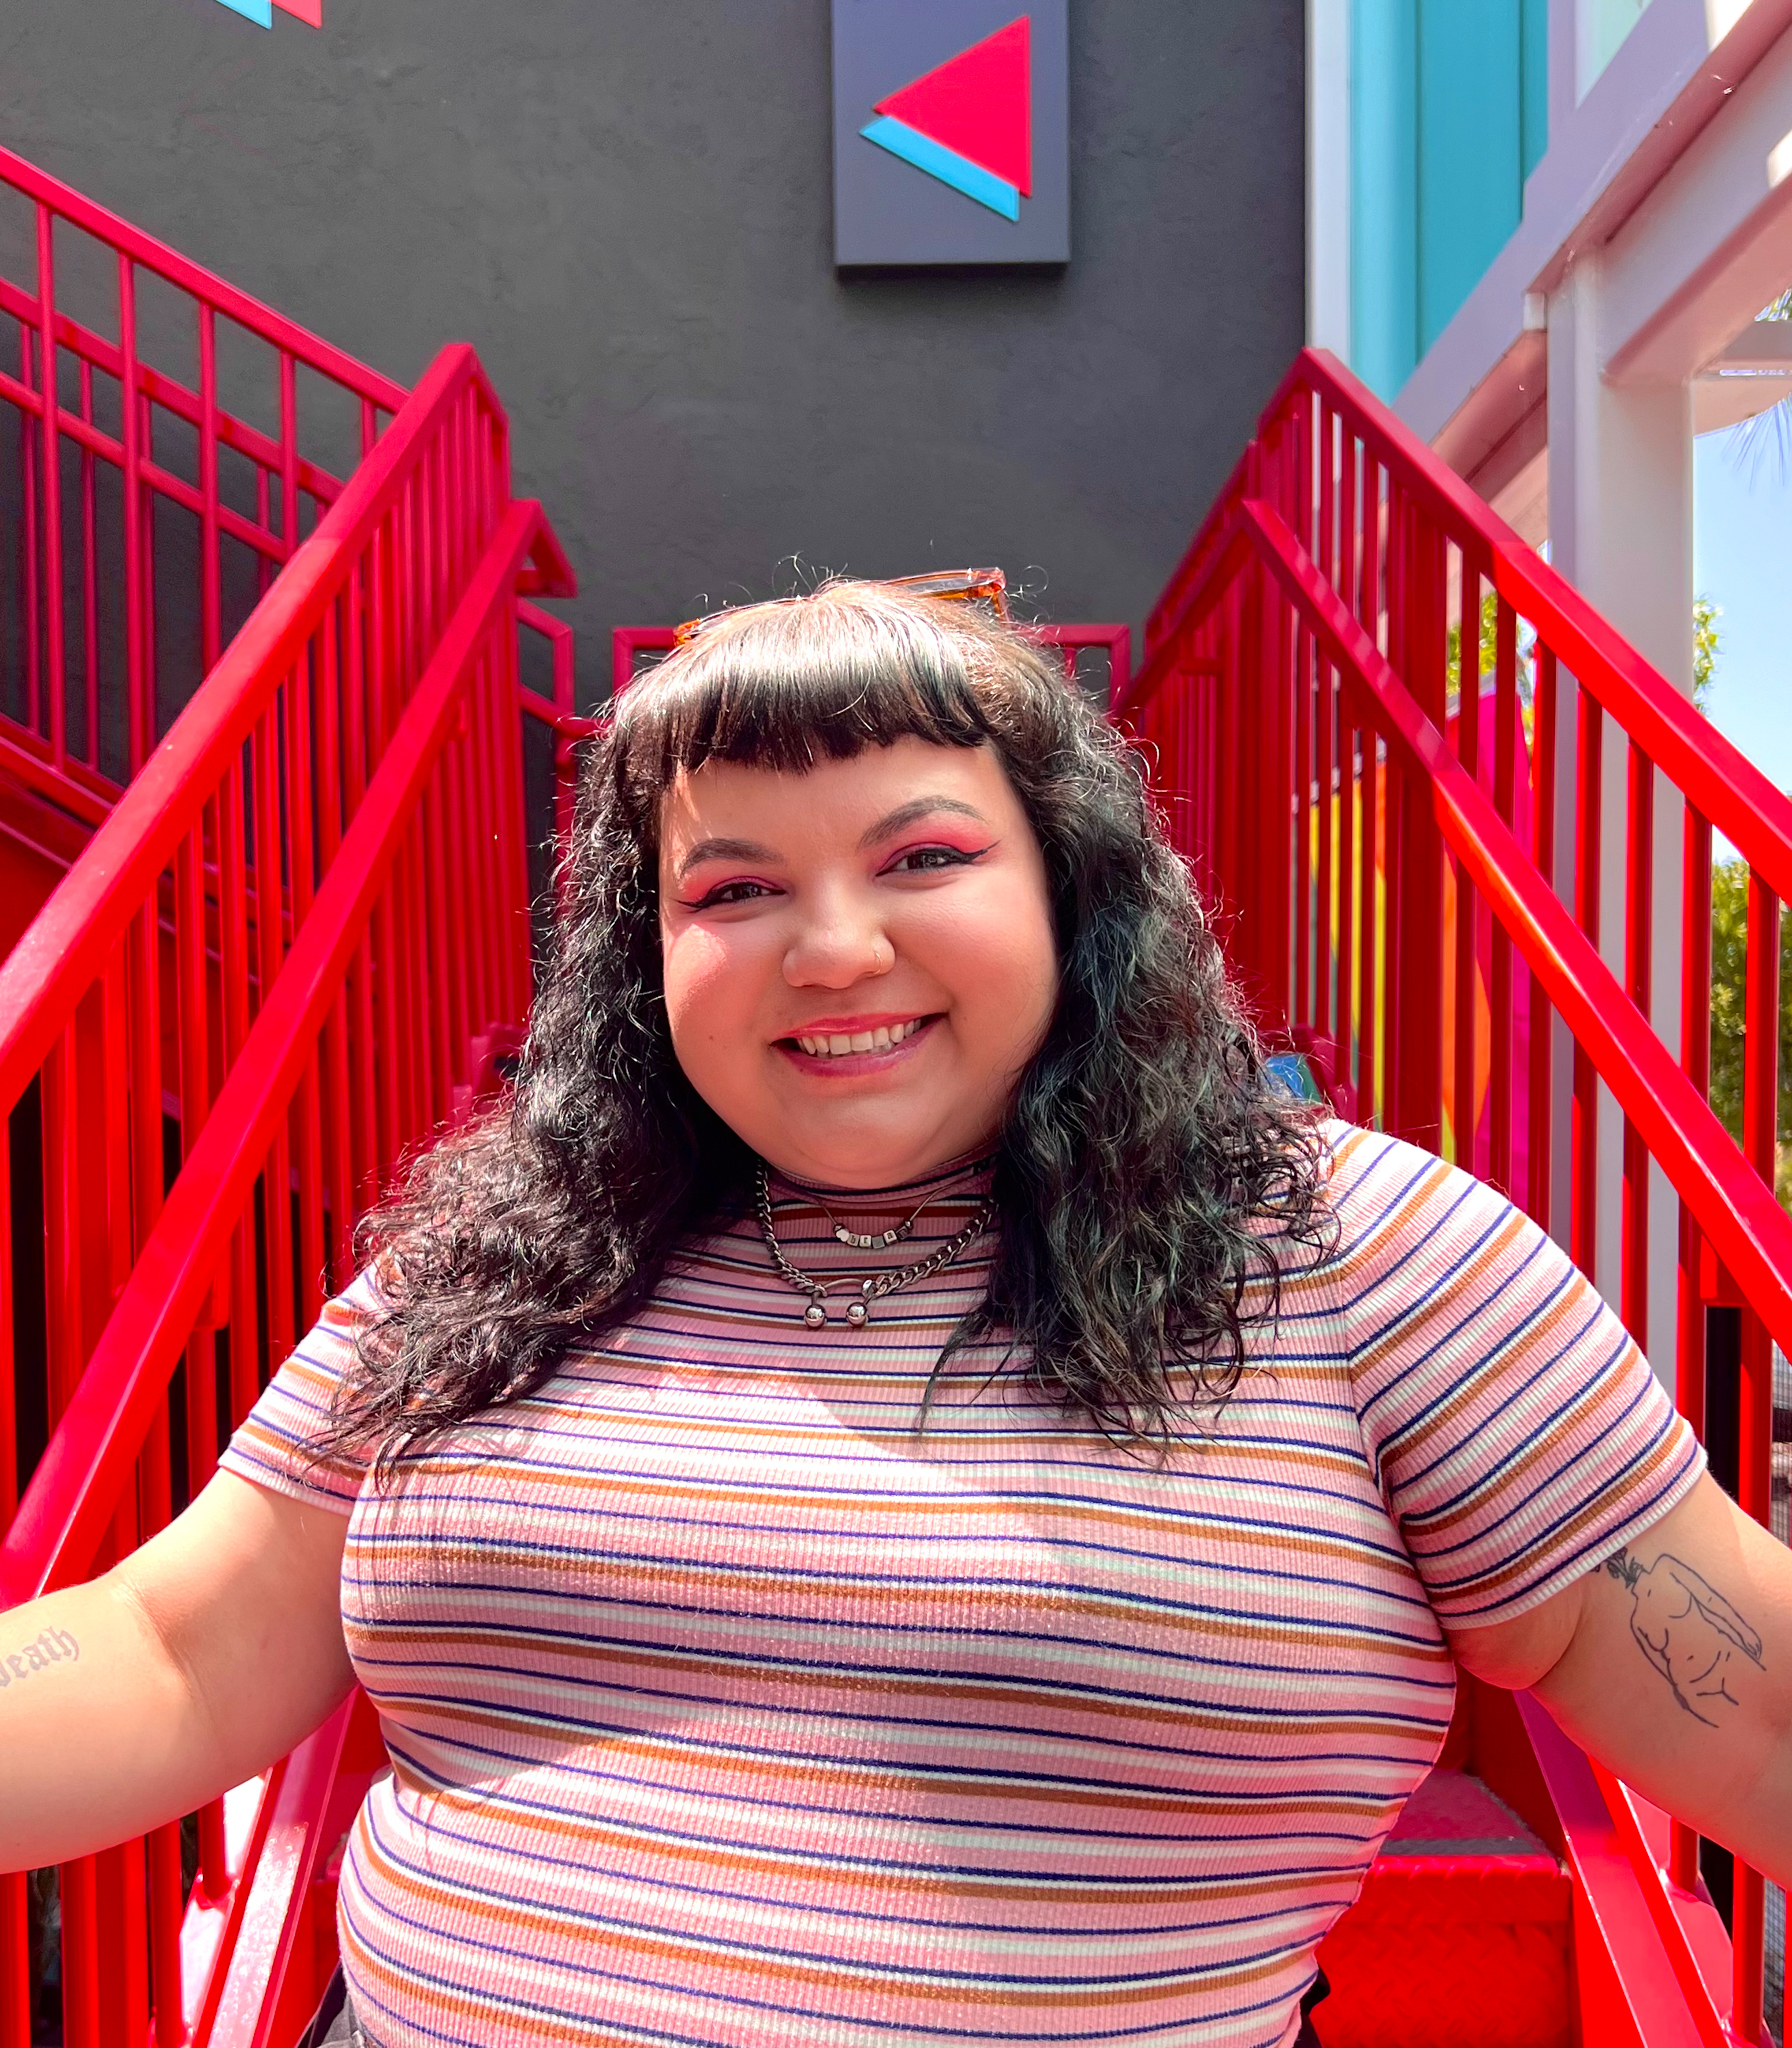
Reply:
x=54, y=1646
x=1687, y=1630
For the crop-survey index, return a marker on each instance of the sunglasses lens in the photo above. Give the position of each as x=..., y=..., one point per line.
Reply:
x=976, y=586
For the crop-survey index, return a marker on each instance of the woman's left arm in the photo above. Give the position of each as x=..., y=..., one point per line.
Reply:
x=1672, y=1664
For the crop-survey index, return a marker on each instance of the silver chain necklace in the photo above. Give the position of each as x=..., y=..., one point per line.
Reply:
x=858, y=1313
x=875, y=1240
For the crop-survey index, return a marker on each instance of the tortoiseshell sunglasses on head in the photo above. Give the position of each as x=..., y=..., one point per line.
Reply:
x=958, y=586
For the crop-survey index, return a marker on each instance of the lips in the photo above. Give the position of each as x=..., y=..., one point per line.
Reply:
x=841, y=1044
x=847, y=1048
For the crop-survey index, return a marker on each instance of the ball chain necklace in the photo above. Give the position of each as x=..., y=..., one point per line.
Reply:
x=858, y=1313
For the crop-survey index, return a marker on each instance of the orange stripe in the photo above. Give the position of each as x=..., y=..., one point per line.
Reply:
x=1185, y=1720
x=1021, y=1888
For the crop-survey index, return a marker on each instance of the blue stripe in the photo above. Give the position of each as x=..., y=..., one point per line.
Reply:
x=684, y=1889
x=945, y=164
x=261, y=12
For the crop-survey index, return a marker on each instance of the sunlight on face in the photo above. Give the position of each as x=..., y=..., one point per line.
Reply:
x=859, y=960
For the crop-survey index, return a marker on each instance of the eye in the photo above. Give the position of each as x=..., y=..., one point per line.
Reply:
x=725, y=893
x=925, y=860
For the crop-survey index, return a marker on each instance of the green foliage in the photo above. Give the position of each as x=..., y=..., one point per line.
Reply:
x=1706, y=640
x=1729, y=977
x=1705, y=616
x=1489, y=651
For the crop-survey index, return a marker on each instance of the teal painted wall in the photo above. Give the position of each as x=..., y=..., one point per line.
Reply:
x=1469, y=184
x=1533, y=81
x=1449, y=114
x=1384, y=206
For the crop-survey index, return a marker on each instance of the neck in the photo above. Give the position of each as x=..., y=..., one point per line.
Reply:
x=968, y=1172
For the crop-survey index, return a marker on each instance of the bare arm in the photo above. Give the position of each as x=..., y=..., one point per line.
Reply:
x=1672, y=1664
x=196, y=1663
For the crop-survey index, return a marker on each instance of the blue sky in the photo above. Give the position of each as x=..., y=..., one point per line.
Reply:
x=1742, y=555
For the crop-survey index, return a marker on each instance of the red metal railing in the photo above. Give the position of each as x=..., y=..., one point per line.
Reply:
x=281, y=956
x=148, y=515
x=306, y=918
x=1460, y=835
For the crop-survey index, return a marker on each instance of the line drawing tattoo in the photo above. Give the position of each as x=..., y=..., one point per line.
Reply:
x=54, y=1646
x=1686, y=1629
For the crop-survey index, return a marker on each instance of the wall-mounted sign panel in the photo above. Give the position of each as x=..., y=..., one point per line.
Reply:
x=261, y=12
x=951, y=132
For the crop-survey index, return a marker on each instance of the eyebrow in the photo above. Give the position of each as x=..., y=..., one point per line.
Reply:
x=722, y=849
x=892, y=822
x=912, y=812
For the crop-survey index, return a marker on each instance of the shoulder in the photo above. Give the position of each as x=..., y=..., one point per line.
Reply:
x=361, y=1302
x=331, y=1344
x=281, y=1443
x=1409, y=1223
x=1383, y=1190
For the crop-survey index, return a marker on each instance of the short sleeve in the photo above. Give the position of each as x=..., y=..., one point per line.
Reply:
x=1517, y=1433
x=276, y=1446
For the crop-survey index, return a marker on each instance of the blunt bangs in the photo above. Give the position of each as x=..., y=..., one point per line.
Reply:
x=787, y=684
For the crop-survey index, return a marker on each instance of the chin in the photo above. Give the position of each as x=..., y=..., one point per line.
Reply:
x=858, y=1158
x=858, y=1166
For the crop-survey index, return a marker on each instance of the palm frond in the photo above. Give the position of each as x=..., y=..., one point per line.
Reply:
x=1767, y=438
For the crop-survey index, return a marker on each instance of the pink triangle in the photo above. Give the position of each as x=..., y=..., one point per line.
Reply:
x=979, y=103
x=311, y=11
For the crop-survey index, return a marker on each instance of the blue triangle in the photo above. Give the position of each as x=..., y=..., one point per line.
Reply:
x=261, y=12
x=940, y=162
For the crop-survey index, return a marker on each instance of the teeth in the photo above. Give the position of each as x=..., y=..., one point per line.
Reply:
x=883, y=1039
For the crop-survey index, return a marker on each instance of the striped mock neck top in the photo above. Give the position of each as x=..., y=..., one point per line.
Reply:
x=727, y=1710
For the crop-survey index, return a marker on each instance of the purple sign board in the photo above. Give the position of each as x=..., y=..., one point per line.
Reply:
x=951, y=132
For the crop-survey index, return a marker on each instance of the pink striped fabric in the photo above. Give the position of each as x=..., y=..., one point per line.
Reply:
x=726, y=1710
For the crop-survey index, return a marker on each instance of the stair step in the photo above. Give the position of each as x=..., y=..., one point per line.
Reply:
x=1460, y=1938
x=1456, y=1848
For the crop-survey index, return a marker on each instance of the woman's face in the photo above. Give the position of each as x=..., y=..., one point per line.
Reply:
x=859, y=960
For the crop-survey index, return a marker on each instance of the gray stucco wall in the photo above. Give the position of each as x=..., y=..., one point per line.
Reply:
x=624, y=204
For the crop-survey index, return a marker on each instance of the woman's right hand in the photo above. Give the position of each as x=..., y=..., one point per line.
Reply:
x=191, y=1666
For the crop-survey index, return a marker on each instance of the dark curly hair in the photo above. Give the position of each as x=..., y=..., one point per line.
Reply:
x=1150, y=1171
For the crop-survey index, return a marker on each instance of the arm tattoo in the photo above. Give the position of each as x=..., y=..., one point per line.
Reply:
x=1687, y=1630
x=54, y=1646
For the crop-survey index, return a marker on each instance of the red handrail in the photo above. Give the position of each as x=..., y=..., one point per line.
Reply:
x=1751, y=812
x=1733, y=1206
x=1391, y=739
x=188, y=276
x=100, y=584
x=296, y=929
x=220, y=896
x=101, y=569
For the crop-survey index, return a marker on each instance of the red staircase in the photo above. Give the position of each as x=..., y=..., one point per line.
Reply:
x=143, y=516
x=1443, y=810
x=293, y=944
x=292, y=940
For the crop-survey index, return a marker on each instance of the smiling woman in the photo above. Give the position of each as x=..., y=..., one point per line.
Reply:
x=856, y=976
x=902, y=1491
x=864, y=809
